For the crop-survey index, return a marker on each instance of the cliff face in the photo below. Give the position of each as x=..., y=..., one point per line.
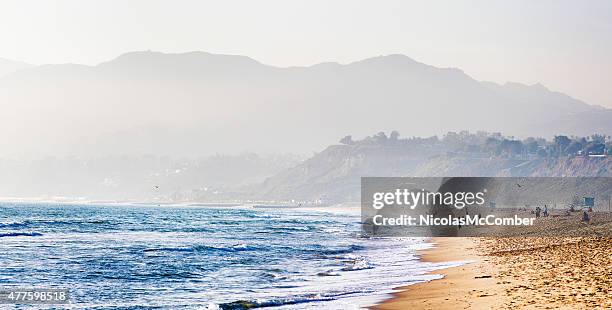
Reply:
x=334, y=174
x=540, y=167
x=563, y=167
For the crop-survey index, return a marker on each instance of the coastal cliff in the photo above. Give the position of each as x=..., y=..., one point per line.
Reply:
x=333, y=175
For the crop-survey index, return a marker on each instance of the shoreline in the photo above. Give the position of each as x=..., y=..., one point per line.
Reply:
x=472, y=285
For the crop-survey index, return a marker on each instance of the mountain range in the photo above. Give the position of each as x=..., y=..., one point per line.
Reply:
x=200, y=103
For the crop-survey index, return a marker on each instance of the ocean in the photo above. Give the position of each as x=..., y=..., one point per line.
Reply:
x=202, y=257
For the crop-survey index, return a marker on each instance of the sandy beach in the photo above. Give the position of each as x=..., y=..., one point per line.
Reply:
x=515, y=272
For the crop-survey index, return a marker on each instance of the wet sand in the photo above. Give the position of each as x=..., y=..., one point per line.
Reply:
x=471, y=286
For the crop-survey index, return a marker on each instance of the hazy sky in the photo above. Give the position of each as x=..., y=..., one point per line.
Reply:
x=565, y=45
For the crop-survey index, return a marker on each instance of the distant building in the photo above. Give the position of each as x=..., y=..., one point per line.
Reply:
x=597, y=149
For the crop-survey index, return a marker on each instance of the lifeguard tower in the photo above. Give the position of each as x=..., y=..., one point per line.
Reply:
x=589, y=202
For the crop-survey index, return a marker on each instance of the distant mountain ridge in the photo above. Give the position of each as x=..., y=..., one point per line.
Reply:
x=9, y=66
x=201, y=103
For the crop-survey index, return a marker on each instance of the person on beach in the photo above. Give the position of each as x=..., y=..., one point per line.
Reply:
x=585, y=217
x=545, y=211
x=537, y=212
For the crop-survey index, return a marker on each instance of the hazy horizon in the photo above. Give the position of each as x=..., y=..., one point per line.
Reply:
x=240, y=154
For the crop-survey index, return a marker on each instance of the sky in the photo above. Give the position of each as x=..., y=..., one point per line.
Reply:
x=565, y=45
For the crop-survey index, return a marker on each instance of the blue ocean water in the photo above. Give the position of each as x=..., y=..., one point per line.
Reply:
x=189, y=257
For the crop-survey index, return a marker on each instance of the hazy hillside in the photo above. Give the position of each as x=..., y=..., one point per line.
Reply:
x=200, y=103
x=299, y=184
x=146, y=178
x=335, y=172
x=8, y=66
x=333, y=175
x=540, y=167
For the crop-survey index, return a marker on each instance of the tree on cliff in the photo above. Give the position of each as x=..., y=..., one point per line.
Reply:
x=348, y=140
